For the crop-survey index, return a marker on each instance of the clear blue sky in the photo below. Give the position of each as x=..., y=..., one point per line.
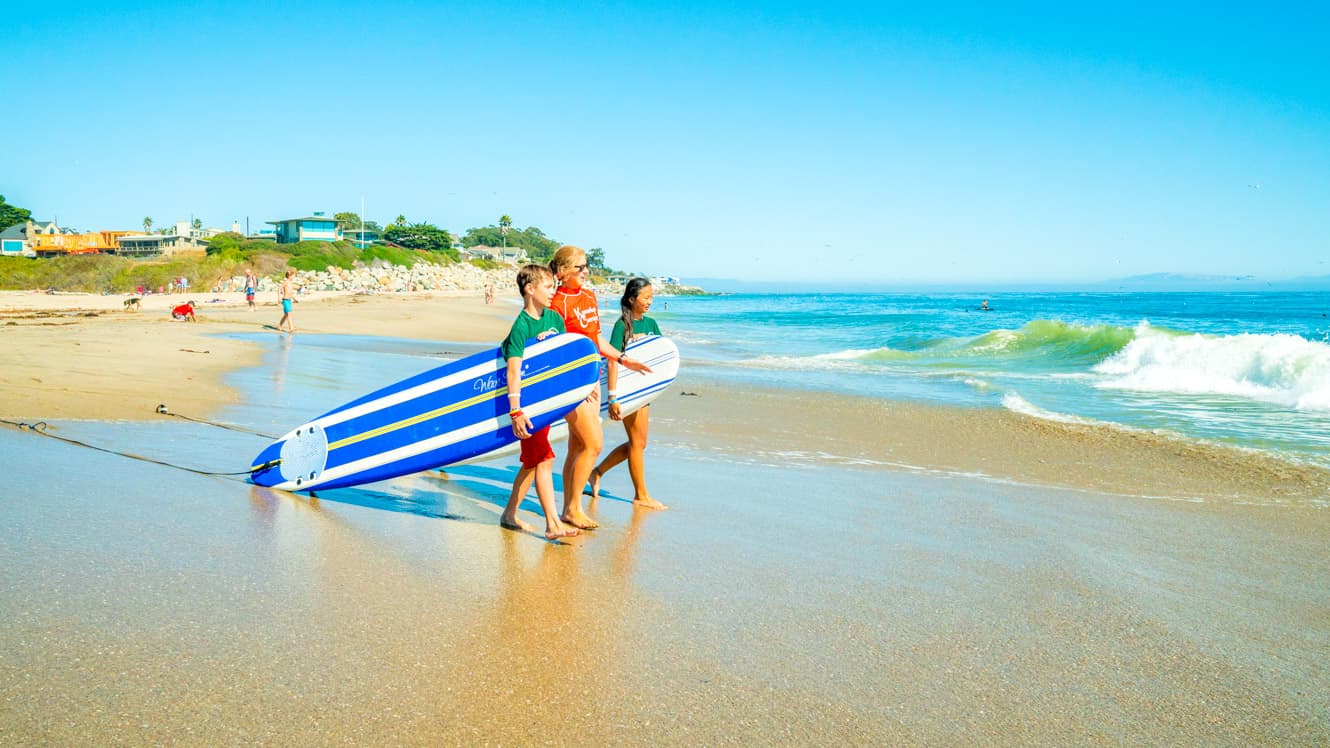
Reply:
x=765, y=141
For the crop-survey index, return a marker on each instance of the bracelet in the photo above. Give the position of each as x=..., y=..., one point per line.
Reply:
x=613, y=400
x=516, y=414
x=622, y=356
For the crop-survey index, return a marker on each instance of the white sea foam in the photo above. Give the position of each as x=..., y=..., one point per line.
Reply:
x=1017, y=404
x=1282, y=369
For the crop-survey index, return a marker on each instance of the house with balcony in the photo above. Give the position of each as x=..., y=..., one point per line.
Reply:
x=318, y=227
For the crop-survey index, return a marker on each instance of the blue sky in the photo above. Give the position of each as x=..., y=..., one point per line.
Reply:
x=960, y=143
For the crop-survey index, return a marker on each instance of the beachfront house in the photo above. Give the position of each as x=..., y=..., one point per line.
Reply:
x=14, y=241
x=25, y=239
x=317, y=227
x=159, y=245
x=362, y=238
x=511, y=255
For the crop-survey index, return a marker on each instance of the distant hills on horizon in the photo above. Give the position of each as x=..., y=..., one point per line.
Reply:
x=1145, y=282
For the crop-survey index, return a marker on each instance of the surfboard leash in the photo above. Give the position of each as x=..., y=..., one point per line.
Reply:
x=229, y=427
x=40, y=428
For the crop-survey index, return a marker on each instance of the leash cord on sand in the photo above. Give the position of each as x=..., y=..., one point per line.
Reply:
x=167, y=412
x=40, y=427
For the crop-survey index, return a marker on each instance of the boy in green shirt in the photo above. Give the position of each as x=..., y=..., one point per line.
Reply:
x=536, y=320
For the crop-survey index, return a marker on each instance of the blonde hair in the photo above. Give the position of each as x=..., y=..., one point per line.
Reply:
x=563, y=258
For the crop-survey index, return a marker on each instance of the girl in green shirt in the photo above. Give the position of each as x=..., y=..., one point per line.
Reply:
x=631, y=325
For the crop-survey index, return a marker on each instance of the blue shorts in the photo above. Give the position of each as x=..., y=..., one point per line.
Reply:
x=286, y=306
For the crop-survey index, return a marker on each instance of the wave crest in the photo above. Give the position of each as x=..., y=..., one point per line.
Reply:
x=1283, y=369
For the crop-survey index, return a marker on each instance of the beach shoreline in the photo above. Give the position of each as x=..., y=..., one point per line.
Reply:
x=82, y=356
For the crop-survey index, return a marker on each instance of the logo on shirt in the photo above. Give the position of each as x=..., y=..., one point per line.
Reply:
x=586, y=316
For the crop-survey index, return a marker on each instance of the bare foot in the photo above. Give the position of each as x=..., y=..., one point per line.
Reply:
x=646, y=502
x=515, y=524
x=594, y=484
x=562, y=532
x=580, y=521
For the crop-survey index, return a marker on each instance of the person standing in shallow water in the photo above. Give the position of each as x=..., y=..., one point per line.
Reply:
x=251, y=284
x=576, y=304
x=631, y=325
x=288, y=298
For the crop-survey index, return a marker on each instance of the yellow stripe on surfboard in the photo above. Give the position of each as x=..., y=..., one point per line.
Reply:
x=445, y=410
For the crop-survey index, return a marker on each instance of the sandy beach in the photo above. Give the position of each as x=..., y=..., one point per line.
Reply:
x=89, y=356
x=832, y=569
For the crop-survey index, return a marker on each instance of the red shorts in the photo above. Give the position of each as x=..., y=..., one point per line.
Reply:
x=536, y=448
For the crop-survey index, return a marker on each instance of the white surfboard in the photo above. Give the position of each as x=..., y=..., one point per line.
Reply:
x=635, y=390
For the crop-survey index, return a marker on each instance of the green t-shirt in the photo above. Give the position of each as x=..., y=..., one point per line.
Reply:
x=644, y=326
x=526, y=327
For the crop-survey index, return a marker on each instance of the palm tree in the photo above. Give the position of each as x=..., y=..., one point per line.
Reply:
x=198, y=223
x=401, y=220
x=505, y=221
x=147, y=224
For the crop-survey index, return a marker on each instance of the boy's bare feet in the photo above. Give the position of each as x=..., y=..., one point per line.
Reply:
x=646, y=502
x=513, y=523
x=594, y=484
x=580, y=520
x=562, y=532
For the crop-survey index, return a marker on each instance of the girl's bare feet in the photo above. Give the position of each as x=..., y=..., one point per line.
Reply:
x=595, y=483
x=562, y=532
x=646, y=502
x=581, y=521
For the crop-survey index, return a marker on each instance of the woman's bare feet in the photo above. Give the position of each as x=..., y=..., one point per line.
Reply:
x=580, y=520
x=554, y=533
x=646, y=502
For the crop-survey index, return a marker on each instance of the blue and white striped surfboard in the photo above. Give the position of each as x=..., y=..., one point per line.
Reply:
x=445, y=415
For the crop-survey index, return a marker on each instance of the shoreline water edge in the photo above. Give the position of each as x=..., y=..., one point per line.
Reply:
x=86, y=357
x=836, y=565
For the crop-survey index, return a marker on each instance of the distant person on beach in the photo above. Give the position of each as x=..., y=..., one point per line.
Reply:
x=288, y=298
x=251, y=284
x=184, y=312
x=536, y=283
x=489, y=293
x=631, y=325
x=581, y=314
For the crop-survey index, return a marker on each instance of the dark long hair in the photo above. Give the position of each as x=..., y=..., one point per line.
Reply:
x=630, y=293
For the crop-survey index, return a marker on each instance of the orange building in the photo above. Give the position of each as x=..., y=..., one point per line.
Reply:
x=51, y=241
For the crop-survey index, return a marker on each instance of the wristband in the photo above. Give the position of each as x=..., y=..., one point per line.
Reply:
x=515, y=414
x=622, y=356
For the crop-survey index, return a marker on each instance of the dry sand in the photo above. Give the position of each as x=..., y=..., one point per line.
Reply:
x=80, y=356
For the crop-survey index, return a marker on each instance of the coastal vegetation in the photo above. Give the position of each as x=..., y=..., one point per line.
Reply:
x=402, y=243
x=12, y=214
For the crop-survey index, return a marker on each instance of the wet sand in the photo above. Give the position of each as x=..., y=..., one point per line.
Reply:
x=809, y=585
x=768, y=605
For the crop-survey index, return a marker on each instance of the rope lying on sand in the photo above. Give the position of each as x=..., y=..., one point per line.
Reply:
x=167, y=412
x=40, y=428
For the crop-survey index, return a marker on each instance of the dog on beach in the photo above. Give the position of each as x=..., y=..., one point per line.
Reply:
x=133, y=303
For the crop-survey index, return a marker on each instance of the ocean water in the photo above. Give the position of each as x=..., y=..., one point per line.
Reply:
x=1244, y=369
